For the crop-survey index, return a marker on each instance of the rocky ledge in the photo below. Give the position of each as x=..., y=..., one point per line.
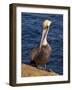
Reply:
x=28, y=71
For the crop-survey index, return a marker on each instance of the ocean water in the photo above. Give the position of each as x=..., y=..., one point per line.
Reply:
x=31, y=26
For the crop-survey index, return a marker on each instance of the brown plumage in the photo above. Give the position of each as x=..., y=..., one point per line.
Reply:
x=41, y=54
x=41, y=57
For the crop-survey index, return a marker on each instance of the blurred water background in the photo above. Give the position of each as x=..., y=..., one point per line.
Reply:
x=31, y=25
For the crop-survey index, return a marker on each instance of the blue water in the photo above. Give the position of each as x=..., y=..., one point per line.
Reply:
x=31, y=25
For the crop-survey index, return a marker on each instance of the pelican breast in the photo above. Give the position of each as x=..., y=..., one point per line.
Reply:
x=41, y=57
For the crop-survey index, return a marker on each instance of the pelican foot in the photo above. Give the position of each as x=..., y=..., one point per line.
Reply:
x=40, y=67
x=43, y=68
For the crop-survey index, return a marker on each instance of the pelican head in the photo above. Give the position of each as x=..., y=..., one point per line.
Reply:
x=46, y=25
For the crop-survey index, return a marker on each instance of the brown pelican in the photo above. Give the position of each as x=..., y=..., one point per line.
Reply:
x=41, y=54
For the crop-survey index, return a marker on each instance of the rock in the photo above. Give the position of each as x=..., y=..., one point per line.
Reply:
x=28, y=71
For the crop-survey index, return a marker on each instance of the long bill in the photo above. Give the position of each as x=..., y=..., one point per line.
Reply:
x=44, y=33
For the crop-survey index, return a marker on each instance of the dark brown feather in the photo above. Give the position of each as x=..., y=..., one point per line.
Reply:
x=42, y=56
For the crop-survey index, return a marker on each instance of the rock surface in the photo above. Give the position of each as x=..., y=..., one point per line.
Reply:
x=28, y=71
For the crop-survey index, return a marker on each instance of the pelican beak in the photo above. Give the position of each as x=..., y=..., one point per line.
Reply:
x=43, y=37
x=46, y=25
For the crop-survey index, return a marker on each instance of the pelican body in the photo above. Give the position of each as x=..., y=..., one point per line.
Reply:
x=41, y=54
